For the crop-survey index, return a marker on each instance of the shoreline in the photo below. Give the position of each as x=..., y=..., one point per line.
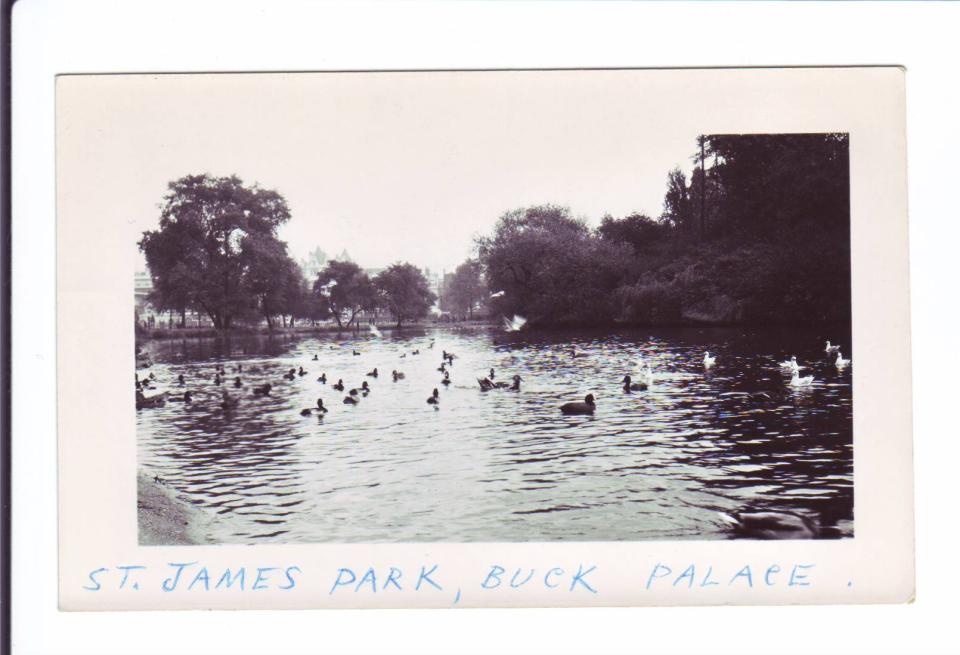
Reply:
x=162, y=334
x=164, y=519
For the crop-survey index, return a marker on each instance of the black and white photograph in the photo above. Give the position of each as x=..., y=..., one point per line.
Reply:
x=514, y=306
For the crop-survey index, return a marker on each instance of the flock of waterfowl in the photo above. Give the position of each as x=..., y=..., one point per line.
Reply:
x=352, y=396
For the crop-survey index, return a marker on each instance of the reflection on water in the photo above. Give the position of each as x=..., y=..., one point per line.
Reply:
x=503, y=465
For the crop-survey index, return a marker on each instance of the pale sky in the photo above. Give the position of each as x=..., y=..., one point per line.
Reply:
x=394, y=166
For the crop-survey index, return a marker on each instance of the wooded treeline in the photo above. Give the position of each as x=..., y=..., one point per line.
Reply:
x=759, y=234
x=761, y=237
x=216, y=251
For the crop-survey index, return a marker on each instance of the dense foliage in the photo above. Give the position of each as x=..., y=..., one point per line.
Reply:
x=405, y=292
x=216, y=251
x=761, y=237
x=466, y=291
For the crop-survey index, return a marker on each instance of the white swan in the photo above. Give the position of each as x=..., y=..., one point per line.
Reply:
x=498, y=294
x=841, y=362
x=797, y=381
x=646, y=375
x=375, y=331
x=831, y=349
x=708, y=361
x=791, y=364
x=514, y=324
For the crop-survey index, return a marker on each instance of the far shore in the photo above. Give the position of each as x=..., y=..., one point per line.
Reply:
x=163, y=519
x=160, y=333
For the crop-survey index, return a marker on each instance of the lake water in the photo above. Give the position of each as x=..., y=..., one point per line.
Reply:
x=503, y=465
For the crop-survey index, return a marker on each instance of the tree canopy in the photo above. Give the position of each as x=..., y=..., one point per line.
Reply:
x=466, y=289
x=405, y=291
x=216, y=248
x=551, y=267
x=344, y=290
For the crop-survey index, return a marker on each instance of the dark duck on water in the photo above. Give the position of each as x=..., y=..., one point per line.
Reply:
x=629, y=385
x=319, y=409
x=588, y=406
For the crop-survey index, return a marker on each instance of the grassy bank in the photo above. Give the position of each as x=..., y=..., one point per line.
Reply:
x=163, y=519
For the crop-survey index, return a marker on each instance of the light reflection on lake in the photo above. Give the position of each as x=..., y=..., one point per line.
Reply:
x=502, y=465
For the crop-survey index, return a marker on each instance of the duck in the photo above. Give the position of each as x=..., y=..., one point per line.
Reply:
x=588, y=406
x=797, y=381
x=415, y=352
x=708, y=361
x=339, y=385
x=434, y=398
x=315, y=358
x=320, y=409
x=228, y=401
x=152, y=376
x=398, y=376
x=239, y=368
x=356, y=353
x=443, y=367
x=373, y=374
x=493, y=374
x=772, y=525
x=446, y=378
x=187, y=397
x=350, y=400
x=365, y=388
x=237, y=383
x=291, y=374
x=180, y=380
x=263, y=389
x=301, y=372
x=158, y=400
x=841, y=362
x=403, y=355
x=322, y=379
x=629, y=385
x=831, y=349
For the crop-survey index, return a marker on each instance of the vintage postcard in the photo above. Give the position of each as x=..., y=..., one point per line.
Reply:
x=483, y=338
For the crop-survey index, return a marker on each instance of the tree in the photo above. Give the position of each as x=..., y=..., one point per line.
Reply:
x=637, y=230
x=405, y=292
x=466, y=289
x=345, y=289
x=677, y=208
x=198, y=255
x=551, y=267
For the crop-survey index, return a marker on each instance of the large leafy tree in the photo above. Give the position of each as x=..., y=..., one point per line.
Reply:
x=466, y=289
x=344, y=290
x=201, y=255
x=551, y=268
x=405, y=291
